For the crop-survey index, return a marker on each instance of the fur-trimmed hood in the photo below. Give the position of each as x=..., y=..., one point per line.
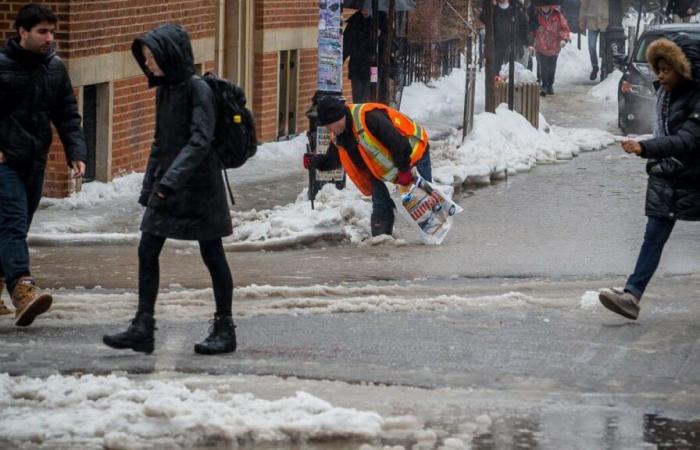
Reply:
x=681, y=51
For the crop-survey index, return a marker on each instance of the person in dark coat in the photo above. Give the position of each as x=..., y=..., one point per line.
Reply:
x=673, y=162
x=682, y=10
x=35, y=92
x=502, y=16
x=183, y=190
x=356, y=46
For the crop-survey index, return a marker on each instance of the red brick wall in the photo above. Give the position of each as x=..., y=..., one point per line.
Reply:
x=133, y=125
x=96, y=27
x=285, y=13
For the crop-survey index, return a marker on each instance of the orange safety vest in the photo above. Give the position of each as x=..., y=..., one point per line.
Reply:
x=376, y=156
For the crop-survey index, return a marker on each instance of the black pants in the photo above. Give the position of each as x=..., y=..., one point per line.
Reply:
x=548, y=67
x=149, y=273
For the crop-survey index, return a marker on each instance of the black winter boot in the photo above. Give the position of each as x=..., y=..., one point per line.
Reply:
x=138, y=337
x=221, y=339
x=381, y=225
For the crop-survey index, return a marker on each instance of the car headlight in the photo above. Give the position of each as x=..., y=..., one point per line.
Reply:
x=637, y=89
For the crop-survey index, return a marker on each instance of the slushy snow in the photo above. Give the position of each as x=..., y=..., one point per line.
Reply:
x=113, y=412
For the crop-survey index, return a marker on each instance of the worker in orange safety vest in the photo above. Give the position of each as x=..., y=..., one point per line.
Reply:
x=374, y=144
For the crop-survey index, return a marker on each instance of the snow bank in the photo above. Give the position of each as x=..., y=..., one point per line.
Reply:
x=506, y=142
x=119, y=413
x=339, y=215
x=606, y=90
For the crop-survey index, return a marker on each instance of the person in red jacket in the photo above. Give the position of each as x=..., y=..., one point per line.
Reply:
x=550, y=37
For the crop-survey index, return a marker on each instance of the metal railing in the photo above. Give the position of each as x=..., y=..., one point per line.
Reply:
x=425, y=61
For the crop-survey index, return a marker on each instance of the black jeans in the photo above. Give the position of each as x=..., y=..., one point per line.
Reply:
x=548, y=67
x=19, y=199
x=149, y=273
x=657, y=233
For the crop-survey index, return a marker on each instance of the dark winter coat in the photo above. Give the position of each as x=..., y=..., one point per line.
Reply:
x=356, y=46
x=502, y=32
x=34, y=91
x=379, y=125
x=182, y=164
x=673, y=190
x=681, y=7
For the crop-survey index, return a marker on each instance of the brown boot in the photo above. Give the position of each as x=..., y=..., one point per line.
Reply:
x=28, y=302
x=4, y=310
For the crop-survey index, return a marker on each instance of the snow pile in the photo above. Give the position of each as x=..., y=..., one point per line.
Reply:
x=506, y=141
x=119, y=413
x=522, y=75
x=439, y=105
x=606, y=90
x=574, y=65
x=272, y=161
x=339, y=215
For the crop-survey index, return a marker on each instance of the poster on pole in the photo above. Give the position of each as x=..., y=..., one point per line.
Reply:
x=330, y=75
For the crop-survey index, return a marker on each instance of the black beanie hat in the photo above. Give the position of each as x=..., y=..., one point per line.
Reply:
x=330, y=109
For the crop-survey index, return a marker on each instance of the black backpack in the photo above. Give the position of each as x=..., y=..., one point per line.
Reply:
x=235, y=138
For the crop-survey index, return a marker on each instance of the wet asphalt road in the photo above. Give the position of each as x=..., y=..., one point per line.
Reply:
x=558, y=375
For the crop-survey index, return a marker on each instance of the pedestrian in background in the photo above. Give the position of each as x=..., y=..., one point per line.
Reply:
x=551, y=35
x=183, y=190
x=35, y=92
x=593, y=18
x=673, y=162
x=682, y=10
x=356, y=46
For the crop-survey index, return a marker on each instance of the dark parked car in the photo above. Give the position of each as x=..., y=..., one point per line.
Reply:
x=636, y=96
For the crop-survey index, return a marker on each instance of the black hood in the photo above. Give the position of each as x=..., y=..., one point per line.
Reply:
x=171, y=49
x=691, y=48
x=18, y=53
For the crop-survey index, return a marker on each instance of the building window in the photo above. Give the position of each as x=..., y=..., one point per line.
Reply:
x=287, y=96
x=90, y=130
x=97, y=103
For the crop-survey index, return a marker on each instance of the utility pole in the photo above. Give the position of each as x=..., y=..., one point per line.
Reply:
x=386, y=93
x=511, y=54
x=374, y=68
x=490, y=55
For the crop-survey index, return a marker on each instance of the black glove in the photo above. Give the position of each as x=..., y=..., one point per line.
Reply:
x=143, y=198
x=156, y=202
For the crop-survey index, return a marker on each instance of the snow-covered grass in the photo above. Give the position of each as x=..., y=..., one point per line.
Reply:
x=115, y=412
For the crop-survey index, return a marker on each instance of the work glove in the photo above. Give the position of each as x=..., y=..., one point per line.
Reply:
x=310, y=160
x=404, y=178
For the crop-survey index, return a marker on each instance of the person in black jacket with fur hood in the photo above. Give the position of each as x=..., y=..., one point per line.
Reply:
x=673, y=162
x=183, y=190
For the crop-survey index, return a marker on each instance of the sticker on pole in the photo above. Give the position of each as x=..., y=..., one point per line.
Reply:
x=427, y=209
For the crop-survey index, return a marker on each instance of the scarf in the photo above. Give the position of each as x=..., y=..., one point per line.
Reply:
x=663, y=99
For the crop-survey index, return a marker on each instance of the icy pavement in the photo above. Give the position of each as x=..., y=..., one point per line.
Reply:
x=417, y=366
x=171, y=411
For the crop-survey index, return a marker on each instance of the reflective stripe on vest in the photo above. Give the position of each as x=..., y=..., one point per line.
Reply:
x=377, y=157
